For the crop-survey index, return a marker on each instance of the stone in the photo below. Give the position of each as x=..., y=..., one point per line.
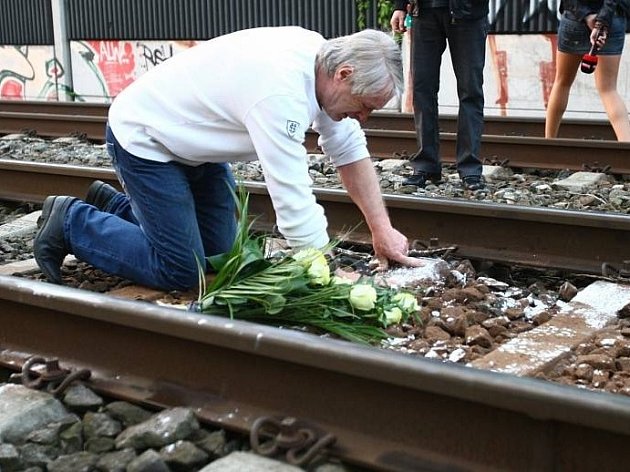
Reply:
x=495, y=173
x=9, y=457
x=79, y=462
x=127, y=413
x=214, y=444
x=580, y=182
x=391, y=165
x=432, y=270
x=478, y=336
x=164, y=428
x=183, y=455
x=80, y=398
x=100, y=424
x=148, y=461
x=24, y=410
x=21, y=226
x=115, y=461
x=248, y=462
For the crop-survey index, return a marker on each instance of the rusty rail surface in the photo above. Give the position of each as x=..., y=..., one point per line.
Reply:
x=508, y=146
x=501, y=125
x=513, y=151
x=494, y=125
x=386, y=411
x=512, y=234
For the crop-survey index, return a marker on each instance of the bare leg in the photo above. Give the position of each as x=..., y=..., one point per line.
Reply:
x=566, y=68
x=606, y=81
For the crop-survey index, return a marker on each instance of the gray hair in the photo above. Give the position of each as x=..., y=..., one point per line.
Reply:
x=374, y=56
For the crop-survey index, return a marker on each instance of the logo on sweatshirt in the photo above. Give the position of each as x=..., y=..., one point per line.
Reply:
x=292, y=128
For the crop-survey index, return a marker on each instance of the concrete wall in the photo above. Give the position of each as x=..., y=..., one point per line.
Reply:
x=518, y=75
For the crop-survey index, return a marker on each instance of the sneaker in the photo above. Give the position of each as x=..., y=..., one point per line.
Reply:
x=99, y=194
x=473, y=182
x=419, y=179
x=49, y=245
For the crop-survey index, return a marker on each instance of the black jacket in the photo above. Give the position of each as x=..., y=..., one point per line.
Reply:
x=460, y=9
x=604, y=9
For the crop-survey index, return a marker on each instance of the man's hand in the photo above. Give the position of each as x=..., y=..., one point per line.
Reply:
x=362, y=185
x=398, y=21
x=391, y=245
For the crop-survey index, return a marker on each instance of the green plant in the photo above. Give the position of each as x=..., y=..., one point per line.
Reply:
x=383, y=12
x=296, y=289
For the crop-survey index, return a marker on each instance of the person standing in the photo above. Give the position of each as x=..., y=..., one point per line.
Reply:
x=172, y=133
x=464, y=25
x=585, y=23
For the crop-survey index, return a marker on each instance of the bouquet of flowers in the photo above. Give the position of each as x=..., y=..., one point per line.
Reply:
x=297, y=289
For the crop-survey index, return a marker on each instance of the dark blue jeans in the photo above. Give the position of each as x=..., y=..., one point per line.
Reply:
x=467, y=45
x=170, y=216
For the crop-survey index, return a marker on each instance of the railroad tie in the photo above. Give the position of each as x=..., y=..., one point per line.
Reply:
x=591, y=310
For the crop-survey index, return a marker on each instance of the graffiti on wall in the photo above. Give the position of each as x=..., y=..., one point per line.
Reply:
x=100, y=69
x=30, y=72
x=519, y=73
x=111, y=62
x=152, y=56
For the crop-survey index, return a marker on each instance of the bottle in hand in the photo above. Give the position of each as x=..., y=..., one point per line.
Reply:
x=589, y=60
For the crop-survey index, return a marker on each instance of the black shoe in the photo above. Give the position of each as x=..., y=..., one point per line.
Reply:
x=419, y=179
x=49, y=245
x=473, y=182
x=99, y=194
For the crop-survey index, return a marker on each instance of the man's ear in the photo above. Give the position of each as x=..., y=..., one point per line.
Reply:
x=344, y=72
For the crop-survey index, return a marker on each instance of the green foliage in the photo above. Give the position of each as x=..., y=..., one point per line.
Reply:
x=296, y=289
x=384, y=10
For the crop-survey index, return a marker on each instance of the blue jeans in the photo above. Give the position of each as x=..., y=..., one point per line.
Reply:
x=170, y=216
x=467, y=44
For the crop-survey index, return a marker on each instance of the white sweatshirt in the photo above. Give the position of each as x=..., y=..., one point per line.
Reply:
x=243, y=96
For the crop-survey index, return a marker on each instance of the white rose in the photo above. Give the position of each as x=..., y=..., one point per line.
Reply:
x=363, y=297
x=393, y=316
x=406, y=301
x=319, y=272
x=316, y=265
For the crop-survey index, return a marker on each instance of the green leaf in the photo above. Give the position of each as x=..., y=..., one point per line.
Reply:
x=254, y=266
x=275, y=304
x=218, y=261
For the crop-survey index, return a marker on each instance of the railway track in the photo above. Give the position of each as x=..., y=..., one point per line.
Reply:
x=494, y=125
x=571, y=240
x=517, y=143
x=235, y=373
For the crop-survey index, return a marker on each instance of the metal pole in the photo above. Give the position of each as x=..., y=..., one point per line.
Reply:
x=65, y=91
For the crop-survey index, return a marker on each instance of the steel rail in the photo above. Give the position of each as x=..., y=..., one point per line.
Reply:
x=494, y=125
x=500, y=125
x=388, y=411
x=34, y=181
x=50, y=107
x=511, y=234
x=515, y=151
x=518, y=151
x=53, y=125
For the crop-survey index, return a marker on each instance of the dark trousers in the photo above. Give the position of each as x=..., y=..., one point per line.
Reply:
x=467, y=44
